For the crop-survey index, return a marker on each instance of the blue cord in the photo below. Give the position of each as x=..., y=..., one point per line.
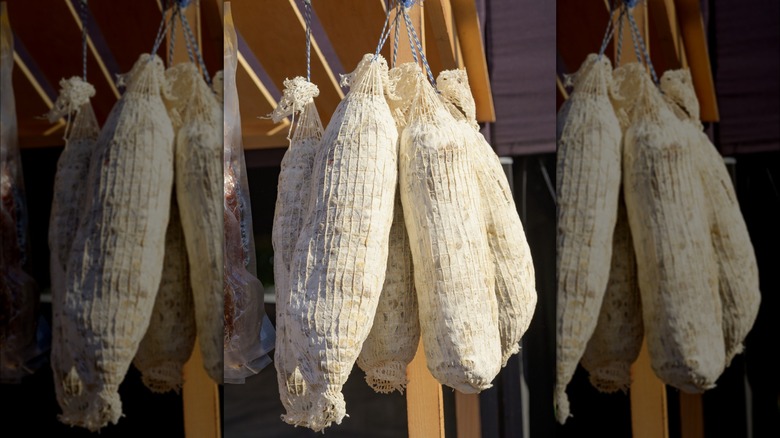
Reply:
x=191, y=36
x=172, y=44
x=187, y=41
x=307, y=14
x=638, y=39
x=387, y=29
x=409, y=34
x=382, y=36
x=158, y=39
x=84, y=38
x=610, y=29
x=397, y=25
x=422, y=53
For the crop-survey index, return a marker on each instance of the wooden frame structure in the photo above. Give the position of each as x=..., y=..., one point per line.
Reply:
x=274, y=46
x=674, y=32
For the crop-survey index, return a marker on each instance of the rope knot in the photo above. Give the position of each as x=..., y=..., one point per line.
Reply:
x=74, y=93
x=297, y=93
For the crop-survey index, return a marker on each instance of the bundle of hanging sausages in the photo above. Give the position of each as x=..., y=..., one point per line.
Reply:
x=393, y=224
x=136, y=266
x=667, y=256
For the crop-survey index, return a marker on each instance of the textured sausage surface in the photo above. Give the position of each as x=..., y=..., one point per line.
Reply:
x=676, y=263
x=115, y=265
x=340, y=258
x=454, y=276
x=588, y=183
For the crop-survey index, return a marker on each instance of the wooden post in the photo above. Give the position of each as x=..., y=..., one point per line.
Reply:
x=691, y=416
x=424, y=401
x=649, y=418
x=201, y=400
x=200, y=393
x=467, y=416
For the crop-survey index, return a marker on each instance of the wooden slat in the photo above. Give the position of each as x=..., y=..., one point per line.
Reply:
x=668, y=50
x=467, y=415
x=470, y=37
x=698, y=56
x=32, y=81
x=353, y=28
x=691, y=416
x=441, y=33
x=275, y=32
x=649, y=417
x=256, y=103
x=200, y=393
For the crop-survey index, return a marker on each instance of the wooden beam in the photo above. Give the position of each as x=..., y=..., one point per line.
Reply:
x=200, y=394
x=255, y=101
x=695, y=41
x=353, y=28
x=276, y=33
x=668, y=52
x=440, y=30
x=649, y=417
x=470, y=37
x=33, y=81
